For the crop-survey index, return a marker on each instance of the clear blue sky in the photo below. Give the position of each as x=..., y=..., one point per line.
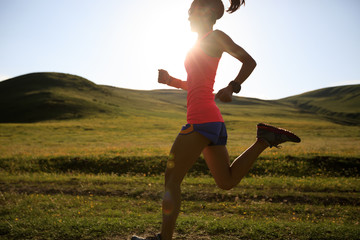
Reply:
x=298, y=45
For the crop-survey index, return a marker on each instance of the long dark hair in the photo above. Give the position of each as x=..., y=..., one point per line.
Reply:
x=235, y=4
x=217, y=7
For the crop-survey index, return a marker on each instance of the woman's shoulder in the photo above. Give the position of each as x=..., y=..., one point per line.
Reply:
x=221, y=37
x=219, y=33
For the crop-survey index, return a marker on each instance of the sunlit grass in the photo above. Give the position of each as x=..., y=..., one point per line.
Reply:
x=46, y=193
x=69, y=206
x=138, y=136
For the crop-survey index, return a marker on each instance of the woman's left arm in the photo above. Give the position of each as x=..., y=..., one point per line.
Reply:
x=226, y=44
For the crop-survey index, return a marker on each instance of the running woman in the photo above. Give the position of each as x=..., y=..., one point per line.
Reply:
x=205, y=131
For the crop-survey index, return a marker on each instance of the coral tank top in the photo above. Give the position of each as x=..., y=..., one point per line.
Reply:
x=201, y=71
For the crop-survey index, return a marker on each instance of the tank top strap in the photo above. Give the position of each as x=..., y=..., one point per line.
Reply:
x=205, y=35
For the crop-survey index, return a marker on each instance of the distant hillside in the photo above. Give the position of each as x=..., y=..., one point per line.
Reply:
x=57, y=96
x=338, y=104
x=46, y=96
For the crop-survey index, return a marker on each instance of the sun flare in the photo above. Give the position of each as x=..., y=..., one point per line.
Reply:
x=176, y=39
x=166, y=37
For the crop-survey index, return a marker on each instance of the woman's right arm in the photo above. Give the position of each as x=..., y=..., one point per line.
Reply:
x=165, y=78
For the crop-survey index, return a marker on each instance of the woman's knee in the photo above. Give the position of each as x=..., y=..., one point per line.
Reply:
x=172, y=179
x=225, y=185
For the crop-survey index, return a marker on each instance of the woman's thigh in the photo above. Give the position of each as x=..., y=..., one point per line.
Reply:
x=184, y=153
x=218, y=162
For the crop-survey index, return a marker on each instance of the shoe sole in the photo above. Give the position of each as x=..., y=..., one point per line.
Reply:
x=290, y=135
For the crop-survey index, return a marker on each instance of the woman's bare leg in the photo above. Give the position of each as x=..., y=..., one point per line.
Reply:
x=227, y=176
x=184, y=153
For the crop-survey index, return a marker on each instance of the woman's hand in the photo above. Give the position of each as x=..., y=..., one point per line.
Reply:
x=225, y=94
x=164, y=76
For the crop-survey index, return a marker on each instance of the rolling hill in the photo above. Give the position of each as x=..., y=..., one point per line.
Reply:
x=338, y=104
x=46, y=96
x=56, y=96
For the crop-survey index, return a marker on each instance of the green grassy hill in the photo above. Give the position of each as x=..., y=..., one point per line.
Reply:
x=338, y=104
x=47, y=96
x=57, y=96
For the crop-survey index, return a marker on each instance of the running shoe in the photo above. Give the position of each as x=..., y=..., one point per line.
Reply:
x=157, y=237
x=275, y=136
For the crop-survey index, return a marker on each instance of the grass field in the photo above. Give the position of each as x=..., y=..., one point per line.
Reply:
x=103, y=179
x=79, y=206
x=100, y=176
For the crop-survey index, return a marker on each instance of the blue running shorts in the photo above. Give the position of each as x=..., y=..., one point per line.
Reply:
x=214, y=131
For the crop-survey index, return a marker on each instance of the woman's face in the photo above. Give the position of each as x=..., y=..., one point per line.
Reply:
x=198, y=18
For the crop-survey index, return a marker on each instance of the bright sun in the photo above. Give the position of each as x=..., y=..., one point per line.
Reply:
x=161, y=37
x=167, y=36
x=178, y=38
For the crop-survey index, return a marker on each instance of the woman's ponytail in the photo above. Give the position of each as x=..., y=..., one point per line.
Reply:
x=235, y=4
x=216, y=7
